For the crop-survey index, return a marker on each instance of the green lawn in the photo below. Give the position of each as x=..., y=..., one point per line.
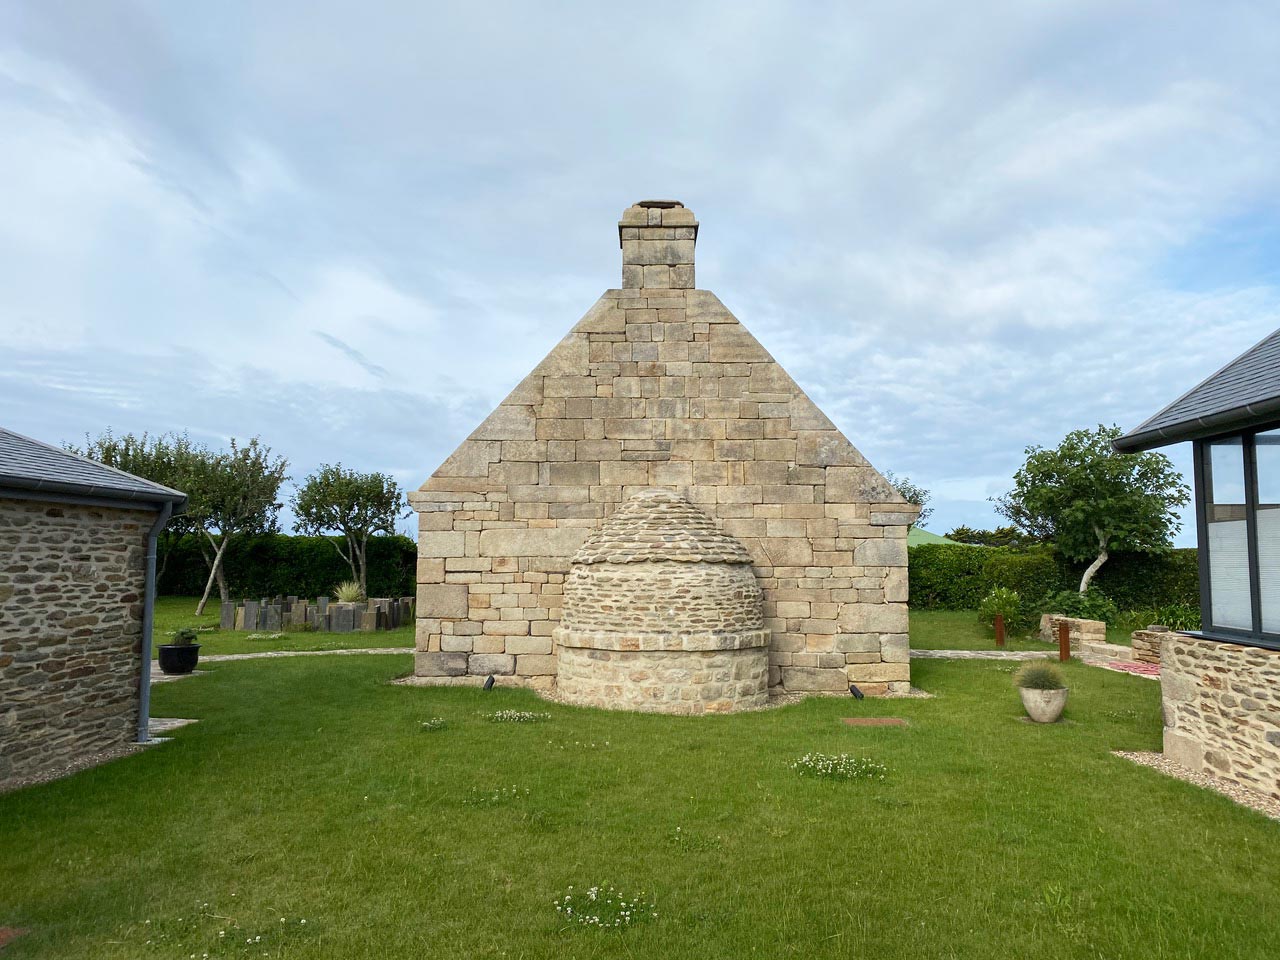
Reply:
x=173, y=613
x=309, y=791
x=960, y=630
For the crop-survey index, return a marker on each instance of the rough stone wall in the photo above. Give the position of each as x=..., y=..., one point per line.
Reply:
x=1078, y=630
x=665, y=681
x=1146, y=645
x=71, y=596
x=1222, y=710
x=663, y=388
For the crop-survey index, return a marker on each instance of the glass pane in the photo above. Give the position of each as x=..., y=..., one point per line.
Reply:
x=1228, y=535
x=1268, y=454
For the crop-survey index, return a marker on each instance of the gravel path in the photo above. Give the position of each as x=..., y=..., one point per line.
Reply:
x=271, y=654
x=980, y=655
x=1252, y=799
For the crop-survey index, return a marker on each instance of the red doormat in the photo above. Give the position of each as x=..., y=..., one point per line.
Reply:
x=873, y=721
x=10, y=934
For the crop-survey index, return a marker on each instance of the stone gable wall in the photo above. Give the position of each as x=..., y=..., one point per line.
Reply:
x=71, y=596
x=1222, y=710
x=662, y=388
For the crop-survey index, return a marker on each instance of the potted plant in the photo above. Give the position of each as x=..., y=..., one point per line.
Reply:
x=182, y=655
x=1043, y=691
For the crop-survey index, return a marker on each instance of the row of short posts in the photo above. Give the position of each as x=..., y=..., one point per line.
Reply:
x=321, y=615
x=1064, y=637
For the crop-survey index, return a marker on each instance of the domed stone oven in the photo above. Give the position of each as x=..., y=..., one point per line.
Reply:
x=662, y=613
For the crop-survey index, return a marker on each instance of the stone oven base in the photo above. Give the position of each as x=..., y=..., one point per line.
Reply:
x=664, y=681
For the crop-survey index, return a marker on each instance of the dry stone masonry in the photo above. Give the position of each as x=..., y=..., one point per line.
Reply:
x=660, y=386
x=662, y=613
x=71, y=593
x=1222, y=710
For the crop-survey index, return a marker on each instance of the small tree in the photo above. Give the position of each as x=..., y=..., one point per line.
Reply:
x=999, y=537
x=352, y=504
x=233, y=494
x=163, y=459
x=912, y=493
x=1090, y=500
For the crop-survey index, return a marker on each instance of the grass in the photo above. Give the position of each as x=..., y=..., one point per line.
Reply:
x=309, y=791
x=960, y=630
x=173, y=613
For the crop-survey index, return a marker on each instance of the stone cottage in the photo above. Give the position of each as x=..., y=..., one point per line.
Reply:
x=77, y=581
x=660, y=387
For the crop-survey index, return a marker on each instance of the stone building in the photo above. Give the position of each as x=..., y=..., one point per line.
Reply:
x=77, y=576
x=659, y=386
x=1221, y=683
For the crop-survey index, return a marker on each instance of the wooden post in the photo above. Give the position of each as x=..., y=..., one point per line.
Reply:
x=1064, y=641
x=999, y=629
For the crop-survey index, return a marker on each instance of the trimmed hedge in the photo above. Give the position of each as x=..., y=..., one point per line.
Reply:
x=956, y=577
x=277, y=564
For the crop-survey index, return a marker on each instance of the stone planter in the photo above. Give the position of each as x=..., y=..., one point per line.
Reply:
x=1044, y=706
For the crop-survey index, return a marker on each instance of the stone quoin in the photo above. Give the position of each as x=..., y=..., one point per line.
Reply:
x=660, y=387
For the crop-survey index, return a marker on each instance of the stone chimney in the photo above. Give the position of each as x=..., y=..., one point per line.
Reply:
x=657, y=238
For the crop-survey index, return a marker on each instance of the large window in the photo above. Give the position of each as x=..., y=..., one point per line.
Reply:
x=1238, y=488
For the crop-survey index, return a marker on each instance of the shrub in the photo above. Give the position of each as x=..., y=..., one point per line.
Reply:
x=348, y=591
x=946, y=576
x=1094, y=605
x=1039, y=675
x=1032, y=573
x=275, y=564
x=184, y=637
x=1178, y=616
x=1003, y=601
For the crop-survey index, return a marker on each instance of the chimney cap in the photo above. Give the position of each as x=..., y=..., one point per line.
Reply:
x=660, y=204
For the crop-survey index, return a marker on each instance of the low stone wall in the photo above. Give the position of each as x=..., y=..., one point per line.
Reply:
x=71, y=595
x=1222, y=710
x=1146, y=644
x=1080, y=631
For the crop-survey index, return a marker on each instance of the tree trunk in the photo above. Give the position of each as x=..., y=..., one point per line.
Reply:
x=360, y=554
x=1094, y=567
x=214, y=575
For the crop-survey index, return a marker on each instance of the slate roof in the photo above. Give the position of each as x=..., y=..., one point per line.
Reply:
x=30, y=465
x=1243, y=394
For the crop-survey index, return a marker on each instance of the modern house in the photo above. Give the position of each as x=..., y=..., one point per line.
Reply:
x=77, y=584
x=660, y=388
x=1221, y=684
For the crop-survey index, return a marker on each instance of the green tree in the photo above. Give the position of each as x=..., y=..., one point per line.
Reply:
x=164, y=459
x=233, y=494
x=999, y=537
x=351, y=504
x=1090, y=500
x=912, y=493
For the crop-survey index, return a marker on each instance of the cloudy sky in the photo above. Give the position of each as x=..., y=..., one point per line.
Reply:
x=352, y=227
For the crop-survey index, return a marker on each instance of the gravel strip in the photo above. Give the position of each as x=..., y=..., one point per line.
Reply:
x=271, y=654
x=1267, y=806
x=84, y=763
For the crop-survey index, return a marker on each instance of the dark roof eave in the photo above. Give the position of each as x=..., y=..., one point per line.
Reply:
x=1225, y=421
x=151, y=499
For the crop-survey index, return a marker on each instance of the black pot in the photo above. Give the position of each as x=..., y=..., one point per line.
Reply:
x=178, y=658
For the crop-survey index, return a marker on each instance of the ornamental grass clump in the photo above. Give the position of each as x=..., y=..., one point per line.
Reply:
x=349, y=591
x=839, y=766
x=517, y=716
x=1039, y=675
x=605, y=908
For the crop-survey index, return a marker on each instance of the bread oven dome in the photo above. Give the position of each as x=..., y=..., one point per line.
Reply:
x=662, y=613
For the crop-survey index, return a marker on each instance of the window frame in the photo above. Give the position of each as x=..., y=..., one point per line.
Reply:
x=1203, y=472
